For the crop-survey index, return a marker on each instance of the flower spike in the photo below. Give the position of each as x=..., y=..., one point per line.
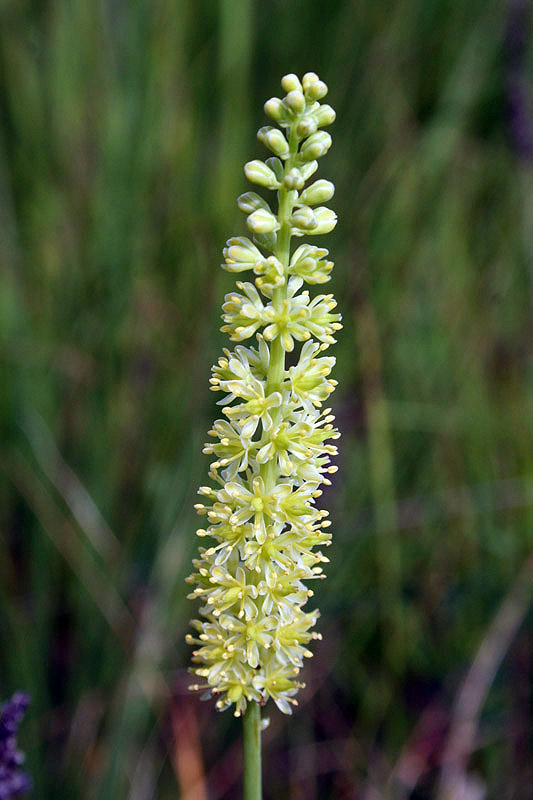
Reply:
x=273, y=448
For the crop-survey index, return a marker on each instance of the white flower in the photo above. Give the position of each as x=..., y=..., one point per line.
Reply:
x=232, y=450
x=308, y=263
x=243, y=313
x=308, y=379
x=240, y=255
x=274, y=682
x=255, y=407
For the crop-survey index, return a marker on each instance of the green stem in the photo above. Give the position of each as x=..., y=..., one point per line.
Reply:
x=252, y=753
x=276, y=369
x=269, y=471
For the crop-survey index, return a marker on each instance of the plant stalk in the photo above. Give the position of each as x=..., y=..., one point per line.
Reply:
x=276, y=370
x=269, y=472
x=252, y=752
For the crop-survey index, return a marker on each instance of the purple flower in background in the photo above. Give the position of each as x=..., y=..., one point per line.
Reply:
x=13, y=781
x=519, y=104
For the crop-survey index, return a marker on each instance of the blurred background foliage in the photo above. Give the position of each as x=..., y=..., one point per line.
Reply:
x=124, y=129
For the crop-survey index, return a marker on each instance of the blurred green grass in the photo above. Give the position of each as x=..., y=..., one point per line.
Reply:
x=124, y=128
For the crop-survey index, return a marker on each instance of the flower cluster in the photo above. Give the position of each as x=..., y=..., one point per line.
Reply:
x=272, y=451
x=13, y=781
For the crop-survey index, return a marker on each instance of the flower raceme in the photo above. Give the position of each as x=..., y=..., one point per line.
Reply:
x=272, y=451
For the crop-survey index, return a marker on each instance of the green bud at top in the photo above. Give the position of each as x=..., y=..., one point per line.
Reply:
x=261, y=133
x=277, y=167
x=324, y=115
x=316, y=90
x=262, y=221
x=276, y=142
x=319, y=192
x=308, y=79
x=296, y=101
x=306, y=127
x=306, y=170
x=275, y=109
x=316, y=146
x=258, y=172
x=267, y=241
x=250, y=201
x=294, y=179
x=291, y=82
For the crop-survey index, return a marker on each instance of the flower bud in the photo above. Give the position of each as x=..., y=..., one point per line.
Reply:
x=309, y=263
x=306, y=170
x=276, y=166
x=276, y=142
x=306, y=127
x=262, y=221
x=296, y=101
x=326, y=220
x=267, y=241
x=319, y=192
x=293, y=197
x=304, y=218
x=250, y=201
x=291, y=82
x=257, y=172
x=262, y=132
x=294, y=179
x=275, y=109
x=316, y=90
x=240, y=254
x=271, y=275
x=316, y=146
x=308, y=79
x=324, y=115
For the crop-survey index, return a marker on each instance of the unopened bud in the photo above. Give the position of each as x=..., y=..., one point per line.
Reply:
x=257, y=172
x=324, y=115
x=275, y=109
x=267, y=241
x=308, y=79
x=276, y=142
x=276, y=166
x=262, y=221
x=294, y=179
x=316, y=146
x=262, y=132
x=291, y=82
x=326, y=220
x=316, y=90
x=306, y=170
x=306, y=127
x=250, y=201
x=296, y=101
x=304, y=218
x=240, y=254
x=319, y=192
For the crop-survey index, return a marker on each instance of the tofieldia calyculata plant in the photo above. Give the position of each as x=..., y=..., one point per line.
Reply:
x=273, y=448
